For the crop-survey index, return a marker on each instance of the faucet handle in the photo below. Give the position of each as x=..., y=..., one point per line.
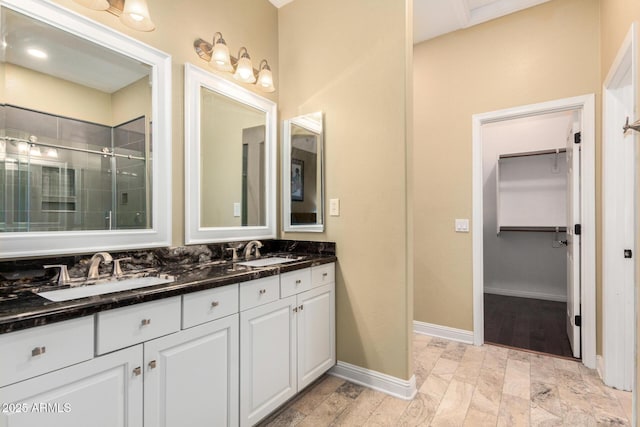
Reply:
x=258, y=246
x=63, y=273
x=117, y=270
x=235, y=253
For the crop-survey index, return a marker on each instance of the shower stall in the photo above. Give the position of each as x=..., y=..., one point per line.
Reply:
x=64, y=174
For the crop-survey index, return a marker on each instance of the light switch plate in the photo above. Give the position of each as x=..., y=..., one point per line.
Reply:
x=236, y=209
x=462, y=225
x=334, y=207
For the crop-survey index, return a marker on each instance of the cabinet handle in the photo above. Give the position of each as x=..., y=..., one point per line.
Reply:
x=325, y=274
x=301, y=307
x=152, y=364
x=137, y=371
x=215, y=303
x=38, y=351
x=298, y=281
x=263, y=291
x=295, y=309
x=145, y=322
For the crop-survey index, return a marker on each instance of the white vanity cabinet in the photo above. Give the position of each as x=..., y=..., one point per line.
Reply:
x=288, y=343
x=103, y=392
x=191, y=377
x=225, y=356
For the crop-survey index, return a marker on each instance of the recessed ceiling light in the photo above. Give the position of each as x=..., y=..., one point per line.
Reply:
x=37, y=53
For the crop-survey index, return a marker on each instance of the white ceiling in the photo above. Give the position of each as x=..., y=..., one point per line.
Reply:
x=432, y=18
x=70, y=58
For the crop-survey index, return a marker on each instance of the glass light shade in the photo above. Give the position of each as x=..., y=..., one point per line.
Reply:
x=136, y=15
x=265, y=80
x=244, y=70
x=94, y=4
x=220, y=58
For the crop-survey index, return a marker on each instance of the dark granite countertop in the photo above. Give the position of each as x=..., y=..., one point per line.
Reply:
x=21, y=308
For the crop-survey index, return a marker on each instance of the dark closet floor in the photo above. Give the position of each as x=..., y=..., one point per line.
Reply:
x=532, y=324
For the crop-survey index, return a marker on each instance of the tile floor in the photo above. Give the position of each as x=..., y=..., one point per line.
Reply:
x=464, y=385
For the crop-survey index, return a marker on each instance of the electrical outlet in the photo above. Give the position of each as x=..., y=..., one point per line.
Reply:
x=236, y=209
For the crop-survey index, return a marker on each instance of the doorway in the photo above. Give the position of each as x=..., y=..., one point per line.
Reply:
x=529, y=189
x=551, y=238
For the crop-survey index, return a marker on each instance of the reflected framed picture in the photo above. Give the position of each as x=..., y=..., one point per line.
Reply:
x=297, y=180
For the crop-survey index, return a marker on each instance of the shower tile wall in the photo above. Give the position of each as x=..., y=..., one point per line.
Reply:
x=71, y=190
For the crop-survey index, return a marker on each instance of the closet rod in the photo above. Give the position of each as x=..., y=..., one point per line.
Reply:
x=534, y=229
x=533, y=153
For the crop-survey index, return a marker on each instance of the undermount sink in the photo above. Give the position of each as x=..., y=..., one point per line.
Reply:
x=105, y=288
x=264, y=262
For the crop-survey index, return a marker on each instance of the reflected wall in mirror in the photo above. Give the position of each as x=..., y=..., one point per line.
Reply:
x=302, y=171
x=229, y=159
x=78, y=106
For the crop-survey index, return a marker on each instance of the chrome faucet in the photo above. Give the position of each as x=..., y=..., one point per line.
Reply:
x=94, y=267
x=249, y=247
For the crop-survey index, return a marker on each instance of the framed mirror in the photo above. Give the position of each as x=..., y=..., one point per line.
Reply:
x=79, y=106
x=230, y=146
x=303, y=173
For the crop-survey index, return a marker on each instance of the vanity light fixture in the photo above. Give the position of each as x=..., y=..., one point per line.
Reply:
x=217, y=55
x=220, y=58
x=265, y=78
x=133, y=13
x=244, y=67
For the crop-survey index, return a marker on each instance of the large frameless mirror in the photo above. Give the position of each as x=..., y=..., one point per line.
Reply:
x=302, y=173
x=79, y=105
x=229, y=160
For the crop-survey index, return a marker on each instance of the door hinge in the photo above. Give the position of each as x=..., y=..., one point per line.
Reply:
x=577, y=138
x=628, y=253
x=578, y=320
x=577, y=229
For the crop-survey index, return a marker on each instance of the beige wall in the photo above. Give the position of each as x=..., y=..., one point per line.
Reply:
x=540, y=54
x=616, y=17
x=131, y=102
x=223, y=122
x=250, y=23
x=41, y=92
x=30, y=89
x=347, y=59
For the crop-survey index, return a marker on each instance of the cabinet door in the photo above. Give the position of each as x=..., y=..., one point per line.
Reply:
x=191, y=377
x=316, y=333
x=102, y=392
x=267, y=358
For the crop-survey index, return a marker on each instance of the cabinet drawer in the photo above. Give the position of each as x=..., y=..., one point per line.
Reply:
x=126, y=326
x=323, y=274
x=204, y=306
x=294, y=282
x=258, y=292
x=35, y=351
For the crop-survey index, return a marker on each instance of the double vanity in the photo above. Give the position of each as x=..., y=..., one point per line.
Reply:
x=223, y=343
x=151, y=335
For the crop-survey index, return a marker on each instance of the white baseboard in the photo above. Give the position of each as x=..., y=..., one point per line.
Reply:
x=403, y=389
x=443, y=332
x=525, y=294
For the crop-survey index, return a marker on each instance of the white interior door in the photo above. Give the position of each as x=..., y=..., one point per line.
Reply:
x=573, y=239
x=618, y=220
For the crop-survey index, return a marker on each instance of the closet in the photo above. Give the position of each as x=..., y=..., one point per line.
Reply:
x=524, y=233
x=532, y=191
